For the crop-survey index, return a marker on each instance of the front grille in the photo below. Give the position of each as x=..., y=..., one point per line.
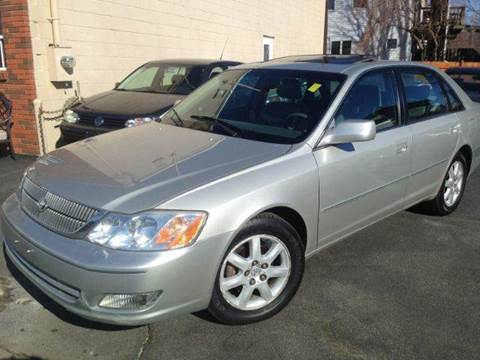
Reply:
x=109, y=122
x=52, y=211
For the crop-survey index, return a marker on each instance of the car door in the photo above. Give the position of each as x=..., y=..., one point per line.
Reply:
x=434, y=129
x=363, y=182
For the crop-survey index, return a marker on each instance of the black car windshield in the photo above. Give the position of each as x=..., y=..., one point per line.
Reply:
x=271, y=105
x=164, y=78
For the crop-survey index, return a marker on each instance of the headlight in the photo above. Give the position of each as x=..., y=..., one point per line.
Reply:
x=156, y=230
x=141, y=121
x=71, y=117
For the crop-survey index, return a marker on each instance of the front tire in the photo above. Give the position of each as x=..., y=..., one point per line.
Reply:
x=260, y=272
x=453, y=187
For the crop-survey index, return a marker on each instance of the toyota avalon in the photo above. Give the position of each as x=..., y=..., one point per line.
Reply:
x=217, y=204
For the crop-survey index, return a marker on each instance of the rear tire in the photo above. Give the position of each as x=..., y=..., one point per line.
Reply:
x=260, y=272
x=453, y=187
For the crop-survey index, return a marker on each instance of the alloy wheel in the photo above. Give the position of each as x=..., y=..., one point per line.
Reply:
x=454, y=183
x=255, y=272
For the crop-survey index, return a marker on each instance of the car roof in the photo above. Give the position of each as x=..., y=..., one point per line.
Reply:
x=463, y=70
x=349, y=69
x=192, y=61
x=325, y=59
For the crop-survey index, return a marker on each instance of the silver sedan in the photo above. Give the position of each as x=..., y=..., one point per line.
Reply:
x=218, y=204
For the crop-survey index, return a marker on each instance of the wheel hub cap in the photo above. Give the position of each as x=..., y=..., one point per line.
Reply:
x=255, y=272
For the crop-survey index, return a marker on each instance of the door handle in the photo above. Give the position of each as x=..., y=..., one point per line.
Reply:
x=402, y=148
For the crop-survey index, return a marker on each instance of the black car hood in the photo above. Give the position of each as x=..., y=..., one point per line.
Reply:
x=127, y=103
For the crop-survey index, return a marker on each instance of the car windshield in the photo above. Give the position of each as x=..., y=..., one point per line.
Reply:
x=470, y=83
x=164, y=79
x=270, y=105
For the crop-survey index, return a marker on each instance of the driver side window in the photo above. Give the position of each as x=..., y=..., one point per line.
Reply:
x=373, y=97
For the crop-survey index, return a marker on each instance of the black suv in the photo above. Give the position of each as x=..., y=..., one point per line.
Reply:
x=142, y=97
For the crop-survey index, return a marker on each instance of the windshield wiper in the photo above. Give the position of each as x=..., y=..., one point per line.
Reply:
x=178, y=122
x=229, y=128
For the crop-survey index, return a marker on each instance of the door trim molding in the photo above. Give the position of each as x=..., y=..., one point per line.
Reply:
x=363, y=194
x=358, y=196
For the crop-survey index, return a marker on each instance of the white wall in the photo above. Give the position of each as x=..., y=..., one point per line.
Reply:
x=348, y=23
x=111, y=37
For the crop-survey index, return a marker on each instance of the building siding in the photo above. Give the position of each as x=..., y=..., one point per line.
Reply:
x=346, y=23
x=17, y=82
x=110, y=38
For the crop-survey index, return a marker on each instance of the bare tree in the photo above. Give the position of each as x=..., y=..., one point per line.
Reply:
x=371, y=25
x=427, y=26
x=375, y=23
x=378, y=27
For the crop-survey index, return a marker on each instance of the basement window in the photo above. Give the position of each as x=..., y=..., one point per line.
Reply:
x=3, y=63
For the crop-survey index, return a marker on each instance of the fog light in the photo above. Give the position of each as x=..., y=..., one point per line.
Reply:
x=129, y=301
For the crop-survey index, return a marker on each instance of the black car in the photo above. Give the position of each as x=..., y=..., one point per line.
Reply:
x=143, y=96
x=468, y=79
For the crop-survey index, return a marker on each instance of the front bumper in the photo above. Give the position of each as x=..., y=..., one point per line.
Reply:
x=77, y=274
x=71, y=133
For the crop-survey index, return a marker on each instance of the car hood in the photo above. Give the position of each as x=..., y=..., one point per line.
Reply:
x=127, y=103
x=137, y=169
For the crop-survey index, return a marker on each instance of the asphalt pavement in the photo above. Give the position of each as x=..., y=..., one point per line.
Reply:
x=405, y=288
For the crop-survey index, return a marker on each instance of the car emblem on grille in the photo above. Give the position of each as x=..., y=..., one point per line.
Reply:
x=42, y=205
x=99, y=121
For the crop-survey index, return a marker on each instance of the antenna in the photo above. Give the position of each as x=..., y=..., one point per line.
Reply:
x=223, y=50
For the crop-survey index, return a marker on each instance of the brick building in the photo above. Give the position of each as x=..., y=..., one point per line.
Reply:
x=17, y=73
x=109, y=38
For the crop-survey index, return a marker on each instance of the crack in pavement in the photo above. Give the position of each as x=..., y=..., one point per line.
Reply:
x=14, y=355
x=144, y=344
x=5, y=293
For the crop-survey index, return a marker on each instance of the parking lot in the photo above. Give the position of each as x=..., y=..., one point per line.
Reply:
x=406, y=288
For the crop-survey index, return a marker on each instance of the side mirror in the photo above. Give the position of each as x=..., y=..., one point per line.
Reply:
x=350, y=131
x=117, y=84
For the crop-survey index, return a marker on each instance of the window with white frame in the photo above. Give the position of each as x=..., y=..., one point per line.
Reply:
x=392, y=43
x=3, y=63
x=267, y=47
x=343, y=47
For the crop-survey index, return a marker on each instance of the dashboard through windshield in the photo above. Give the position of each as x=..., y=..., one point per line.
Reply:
x=271, y=105
x=164, y=79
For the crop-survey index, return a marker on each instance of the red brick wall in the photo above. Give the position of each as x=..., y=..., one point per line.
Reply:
x=18, y=82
